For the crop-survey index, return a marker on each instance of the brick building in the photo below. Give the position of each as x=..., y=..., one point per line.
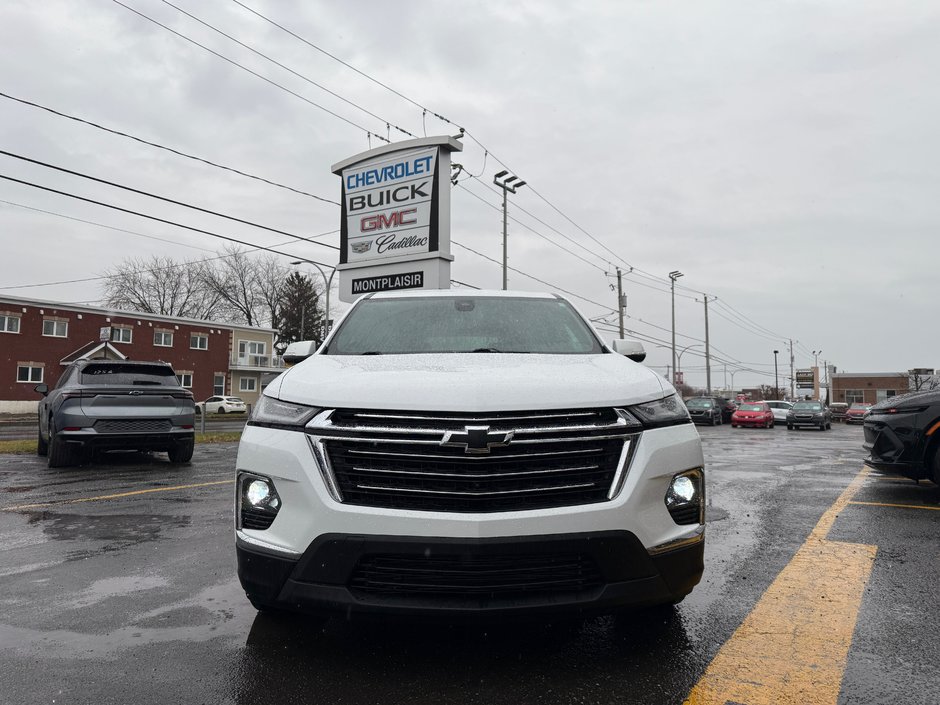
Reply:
x=38, y=339
x=868, y=387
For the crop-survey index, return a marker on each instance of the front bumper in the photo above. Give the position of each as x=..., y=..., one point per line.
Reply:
x=895, y=447
x=586, y=573
x=811, y=422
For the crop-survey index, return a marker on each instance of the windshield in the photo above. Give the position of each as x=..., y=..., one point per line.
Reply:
x=466, y=324
x=807, y=406
x=699, y=403
x=750, y=407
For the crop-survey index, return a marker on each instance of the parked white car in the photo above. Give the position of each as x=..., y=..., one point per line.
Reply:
x=780, y=409
x=222, y=405
x=476, y=453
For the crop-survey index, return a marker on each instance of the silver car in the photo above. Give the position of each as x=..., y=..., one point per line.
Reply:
x=110, y=405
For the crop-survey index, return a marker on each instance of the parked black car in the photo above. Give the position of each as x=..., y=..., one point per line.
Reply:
x=704, y=410
x=809, y=413
x=110, y=404
x=902, y=435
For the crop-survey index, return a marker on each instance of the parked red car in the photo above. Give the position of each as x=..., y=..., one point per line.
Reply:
x=856, y=412
x=753, y=413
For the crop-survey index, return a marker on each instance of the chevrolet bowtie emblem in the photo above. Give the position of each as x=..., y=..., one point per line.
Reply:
x=477, y=440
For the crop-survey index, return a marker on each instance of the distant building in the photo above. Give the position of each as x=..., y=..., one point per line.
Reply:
x=868, y=387
x=38, y=339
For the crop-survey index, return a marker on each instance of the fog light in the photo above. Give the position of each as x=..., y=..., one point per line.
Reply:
x=258, y=502
x=258, y=492
x=685, y=497
x=681, y=491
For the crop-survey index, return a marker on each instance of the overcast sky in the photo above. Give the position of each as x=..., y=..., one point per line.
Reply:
x=784, y=156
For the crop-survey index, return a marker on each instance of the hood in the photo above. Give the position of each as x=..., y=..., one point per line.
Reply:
x=468, y=382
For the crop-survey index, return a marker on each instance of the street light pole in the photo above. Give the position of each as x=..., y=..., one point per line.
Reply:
x=328, y=281
x=776, y=379
x=508, y=184
x=672, y=278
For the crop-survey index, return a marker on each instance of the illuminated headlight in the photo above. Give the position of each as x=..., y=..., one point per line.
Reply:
x=274, y=413
x=685, y=497
x=662, y=412
x=258, y=502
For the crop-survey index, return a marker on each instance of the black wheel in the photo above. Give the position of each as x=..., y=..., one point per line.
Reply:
x=42, y=447
x=789, y=427
x=61, y=454
x=935, y=465
x=220, y=410
x=182, y=452
x=822, y=426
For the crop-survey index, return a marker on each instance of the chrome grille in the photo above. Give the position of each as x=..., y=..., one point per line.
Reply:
x=133, y=426
x=397, y=460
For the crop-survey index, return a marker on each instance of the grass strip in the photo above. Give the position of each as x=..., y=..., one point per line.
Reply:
x=28, y=446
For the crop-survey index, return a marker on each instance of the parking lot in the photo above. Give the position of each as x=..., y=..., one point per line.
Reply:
x=117, y=583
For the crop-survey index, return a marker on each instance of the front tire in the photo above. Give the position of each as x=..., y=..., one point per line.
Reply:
x=789, y=427
x=182, y=452
x=220, y=410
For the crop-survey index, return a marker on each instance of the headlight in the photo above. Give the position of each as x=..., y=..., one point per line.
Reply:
x=685, y=497
x=274, y=413
x=258, y=502
x=662, y=412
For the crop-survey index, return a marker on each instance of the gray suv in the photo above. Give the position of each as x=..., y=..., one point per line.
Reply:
x=115, y=405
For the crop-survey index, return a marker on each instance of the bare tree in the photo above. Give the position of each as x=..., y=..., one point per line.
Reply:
x=160, y=285
x=922, y=379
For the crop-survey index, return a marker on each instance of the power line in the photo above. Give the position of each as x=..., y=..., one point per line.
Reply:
x=253, y=73
x=164, y=198
x=167, y=149
x=288, y=69
x=347, y=65
x=532, y=230
x=155, y=218
x=525, y=274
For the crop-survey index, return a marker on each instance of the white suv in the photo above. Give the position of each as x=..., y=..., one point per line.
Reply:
x=468, y=453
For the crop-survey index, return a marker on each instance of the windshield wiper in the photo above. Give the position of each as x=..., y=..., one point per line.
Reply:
x=371, y=352
x=497, y=350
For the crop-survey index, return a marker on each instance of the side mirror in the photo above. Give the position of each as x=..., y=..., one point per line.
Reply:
x=632, y=349
x=299, y=351
x=42, y=388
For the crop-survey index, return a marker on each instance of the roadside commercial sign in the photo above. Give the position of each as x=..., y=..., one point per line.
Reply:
x=805, y=378
x=395, y=221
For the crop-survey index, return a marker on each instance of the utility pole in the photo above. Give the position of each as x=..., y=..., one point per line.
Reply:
x=792, y=378
x=672, y=277
x=621, y=303
x=508, y=184
x=708, y=360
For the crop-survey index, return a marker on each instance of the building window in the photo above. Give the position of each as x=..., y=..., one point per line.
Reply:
x=122, y=335
x=29, y=372
x=218, y=385
x=247, y=384
x=882, y=394
x=163, y=338
x=853, y=396
x=55, y=328
x=9, y=323
x=186, y=379
x=199, y=341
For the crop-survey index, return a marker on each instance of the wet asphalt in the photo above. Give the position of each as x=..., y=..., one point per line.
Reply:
x=133, y=598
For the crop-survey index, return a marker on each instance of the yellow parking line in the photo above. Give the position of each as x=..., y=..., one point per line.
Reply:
x=903, y=506
x=115, y=496
x=793, y=646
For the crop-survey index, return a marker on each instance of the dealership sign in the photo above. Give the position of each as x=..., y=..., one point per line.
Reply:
x=395, y=227
x=806, y=378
